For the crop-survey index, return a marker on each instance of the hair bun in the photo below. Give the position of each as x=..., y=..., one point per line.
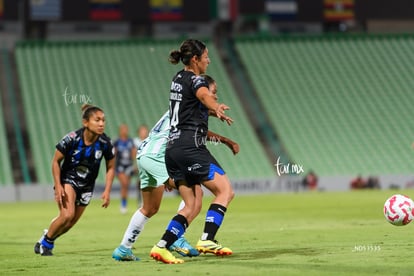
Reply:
x=175, y=56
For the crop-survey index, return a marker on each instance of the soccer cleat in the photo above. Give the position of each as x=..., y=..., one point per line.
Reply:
x=44, y=251
x=121, y=253
x=182, y=247
x=163, y=255
x=37, y=248
x=37, y=245
x=214, y=247
x=123, y=210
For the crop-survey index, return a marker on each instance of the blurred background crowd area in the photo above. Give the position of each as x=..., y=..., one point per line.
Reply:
x=86, y=19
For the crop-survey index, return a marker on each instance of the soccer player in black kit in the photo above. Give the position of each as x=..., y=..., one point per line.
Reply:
x=75, y=166
x=187, y=158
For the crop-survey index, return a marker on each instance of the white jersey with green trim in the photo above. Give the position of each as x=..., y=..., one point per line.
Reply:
x=157, y=139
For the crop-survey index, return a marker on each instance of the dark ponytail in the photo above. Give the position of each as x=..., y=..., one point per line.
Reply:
x=188, y=49
x=175, y=57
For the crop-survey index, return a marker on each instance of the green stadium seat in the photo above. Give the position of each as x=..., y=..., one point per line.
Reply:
x=6, y=177
x=341, y=105
x=130, y=80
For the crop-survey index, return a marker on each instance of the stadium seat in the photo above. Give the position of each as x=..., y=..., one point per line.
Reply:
x=130, y=80
x=342, y=105
x=6, y=177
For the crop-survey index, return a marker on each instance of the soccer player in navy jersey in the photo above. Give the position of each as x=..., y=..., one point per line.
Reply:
x=155, y=179
x=75, y=166
x=187, y=158
x=124, y=163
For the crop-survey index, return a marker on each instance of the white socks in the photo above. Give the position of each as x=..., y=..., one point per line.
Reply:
x=135, y=227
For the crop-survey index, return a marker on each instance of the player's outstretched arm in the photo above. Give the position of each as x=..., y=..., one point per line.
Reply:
x=233, y=146
x=209, y=101
x=224, y=118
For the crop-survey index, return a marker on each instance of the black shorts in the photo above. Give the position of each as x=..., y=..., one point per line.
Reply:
x=126, y=169
x=186, y=160
x=83, y=194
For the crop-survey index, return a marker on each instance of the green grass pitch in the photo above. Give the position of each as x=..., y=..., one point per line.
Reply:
x=319, y=233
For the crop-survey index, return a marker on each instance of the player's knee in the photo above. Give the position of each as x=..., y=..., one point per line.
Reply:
x=152, y=210
x=231, y=195
x=67, y=217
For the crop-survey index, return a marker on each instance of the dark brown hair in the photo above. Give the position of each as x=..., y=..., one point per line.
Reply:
x=188, y=49
x=208, y=79
x=88, y=110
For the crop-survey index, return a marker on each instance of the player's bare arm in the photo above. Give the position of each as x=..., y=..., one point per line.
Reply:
x=234, y=147
x=209, y=101
x=59, y=191
x=110, y=174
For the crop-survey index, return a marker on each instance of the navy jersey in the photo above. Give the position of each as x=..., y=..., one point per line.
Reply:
x=186, y=110
x=123, y=152
x=81, y=163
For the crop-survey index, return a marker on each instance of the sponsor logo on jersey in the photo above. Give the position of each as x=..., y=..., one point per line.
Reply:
x=199, y=81
x=176, y=87
x=194, y=167
x=82, y=171
x=76, y=152
x=176, y=96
